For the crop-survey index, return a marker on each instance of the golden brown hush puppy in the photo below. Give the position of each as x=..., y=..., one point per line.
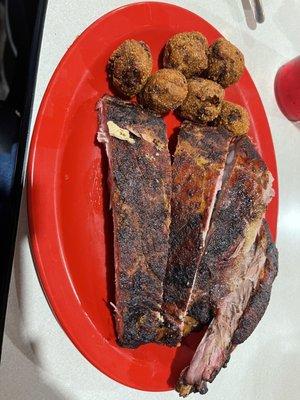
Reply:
x=234, y=118
x=130, y=66
x=225, y=63
x=186, y=52
x=203, y=101
x=164, y=91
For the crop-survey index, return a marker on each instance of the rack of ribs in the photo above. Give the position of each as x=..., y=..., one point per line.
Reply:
x=197, y=172
x=238, y=264
x=140, y=191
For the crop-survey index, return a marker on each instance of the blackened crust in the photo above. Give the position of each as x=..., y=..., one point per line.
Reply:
x=241, y=202
x=259, y=301
x=140, y=198
x=199, y=159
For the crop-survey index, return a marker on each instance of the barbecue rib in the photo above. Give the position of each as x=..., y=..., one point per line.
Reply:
x=231, y=264
x=140, y=183
x=246, y=192
x=197, y=176
x=261, y=296
x=237, y=314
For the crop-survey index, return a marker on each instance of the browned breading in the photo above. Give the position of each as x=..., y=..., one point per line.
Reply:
x=234, y=118
x=225, y=63
x=164, y=91
x=187, y=52
x=130, y=66
x=203, y=101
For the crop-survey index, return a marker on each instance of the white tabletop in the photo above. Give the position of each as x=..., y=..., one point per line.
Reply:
x=40, y=362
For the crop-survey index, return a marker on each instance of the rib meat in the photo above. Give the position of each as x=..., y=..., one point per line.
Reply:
x=197, y=173
x=246, y=192
x=231, y=265
x=140, y=183
x=236, y=311
x=260, y=298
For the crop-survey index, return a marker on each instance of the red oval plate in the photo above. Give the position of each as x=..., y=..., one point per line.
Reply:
x=67, y=193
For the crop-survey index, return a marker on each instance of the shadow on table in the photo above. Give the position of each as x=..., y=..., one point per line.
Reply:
x=21, y=376
x=14, y=318
x=297, y=125
x=20, y=379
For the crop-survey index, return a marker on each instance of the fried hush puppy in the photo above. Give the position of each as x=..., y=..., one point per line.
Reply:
x=164, y=91
x=129, y=67
x=225, y=63
x=203, y=101
x=234, y=118
x=186, y=52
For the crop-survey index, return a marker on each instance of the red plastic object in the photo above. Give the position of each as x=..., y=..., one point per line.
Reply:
x=68, y=211
x=287, y=89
